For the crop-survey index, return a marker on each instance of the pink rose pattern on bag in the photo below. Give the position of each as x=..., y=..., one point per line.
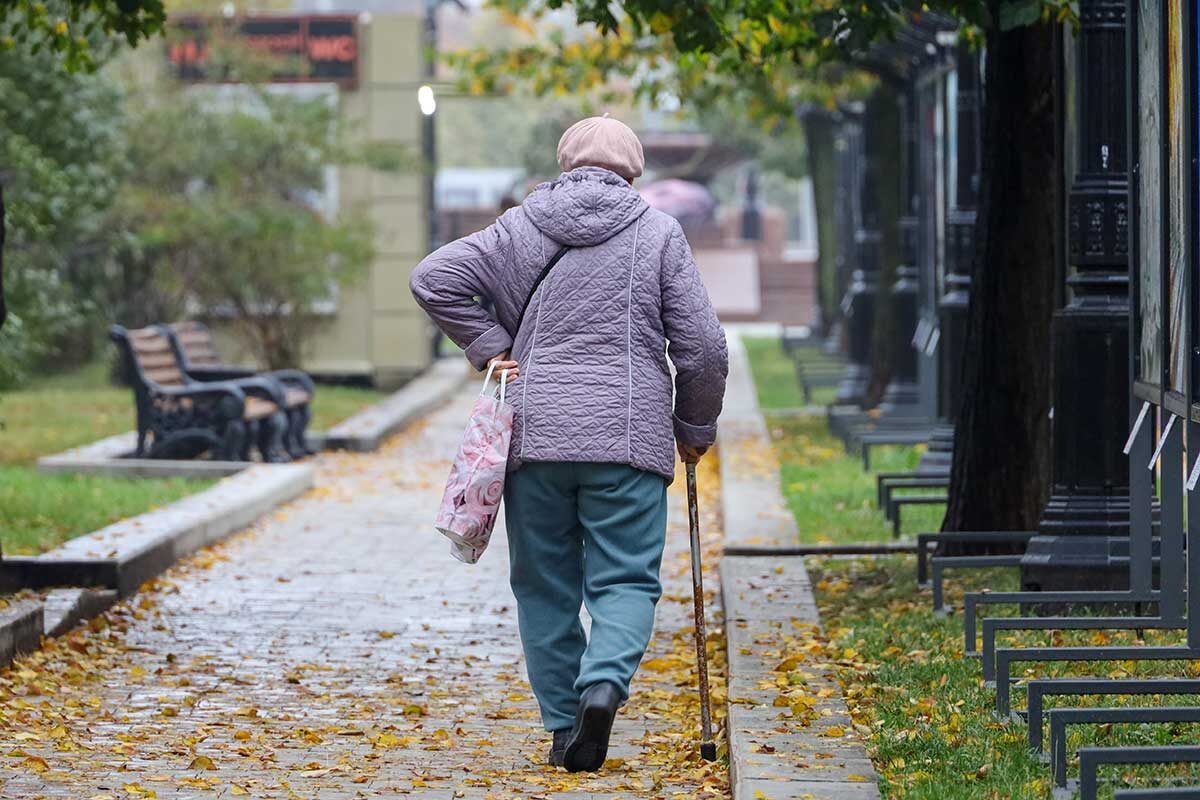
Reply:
x=475, y=487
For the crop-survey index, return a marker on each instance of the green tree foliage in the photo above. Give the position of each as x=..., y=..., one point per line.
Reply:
x=764, y=57
x=223, y=212
x=61, y=159
x=135, y=202
x=640, y=60
x=77, y=32
x=57, y=157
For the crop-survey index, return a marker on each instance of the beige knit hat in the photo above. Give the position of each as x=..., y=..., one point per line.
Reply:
x=602, y=142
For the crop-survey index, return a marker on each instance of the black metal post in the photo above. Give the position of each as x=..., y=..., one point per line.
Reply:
x=751, y=215
x=429, y=132
x=859, y=303
x=429, y=147
x=1090, y=493
x=901, y=396
x=843, y=145
x=960, y=252
x=960, y=231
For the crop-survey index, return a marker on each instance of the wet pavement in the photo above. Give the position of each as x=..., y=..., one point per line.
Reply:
x=336, y=650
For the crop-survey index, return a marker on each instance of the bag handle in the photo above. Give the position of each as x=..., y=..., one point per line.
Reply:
x=538, y=282
x=487, y=380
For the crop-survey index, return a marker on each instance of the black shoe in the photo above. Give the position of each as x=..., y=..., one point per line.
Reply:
x=558, y=749
x=593, y=723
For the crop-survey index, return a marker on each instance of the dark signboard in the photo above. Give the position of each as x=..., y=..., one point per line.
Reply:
x=310, y=49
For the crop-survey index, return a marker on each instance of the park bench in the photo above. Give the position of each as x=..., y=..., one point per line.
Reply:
x=887, y=483
x=929, y=543
x=898, y=431
x=178, y=417
x=815, y=363
x=197, y=353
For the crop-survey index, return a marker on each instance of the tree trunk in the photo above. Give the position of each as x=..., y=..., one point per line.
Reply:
x=883, y=123
x=822, y=163
x=1001, y=472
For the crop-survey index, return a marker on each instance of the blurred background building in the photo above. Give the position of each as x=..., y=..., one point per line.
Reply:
x=374, y=330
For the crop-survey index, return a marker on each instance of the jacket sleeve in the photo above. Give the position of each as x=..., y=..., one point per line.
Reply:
x=695, y=343
x=448, y=281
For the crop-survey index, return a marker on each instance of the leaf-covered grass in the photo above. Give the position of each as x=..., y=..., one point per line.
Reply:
x=922, y=707
x=38, y=512
x=918, y=702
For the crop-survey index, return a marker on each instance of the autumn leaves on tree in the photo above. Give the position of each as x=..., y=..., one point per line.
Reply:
x=766, y=61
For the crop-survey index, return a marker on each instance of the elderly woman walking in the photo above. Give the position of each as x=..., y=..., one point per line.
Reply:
x=586, y=345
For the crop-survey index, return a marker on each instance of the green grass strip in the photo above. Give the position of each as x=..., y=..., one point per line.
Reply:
x=39, y=512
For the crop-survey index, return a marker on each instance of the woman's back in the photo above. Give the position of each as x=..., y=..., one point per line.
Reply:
x=594, y=384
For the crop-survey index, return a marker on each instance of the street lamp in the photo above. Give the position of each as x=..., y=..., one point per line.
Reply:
x=426, y=100
x=428, y=105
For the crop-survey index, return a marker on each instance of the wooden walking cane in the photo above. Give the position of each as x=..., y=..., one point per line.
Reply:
x=708, y=750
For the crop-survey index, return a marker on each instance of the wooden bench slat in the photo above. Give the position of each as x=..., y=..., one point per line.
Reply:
x=197, y=343
x=294, y=397
x=200, y=341
x=155, y=357
x=157, y=361
x=165, y=376
x=151, y=346
x=257, y=408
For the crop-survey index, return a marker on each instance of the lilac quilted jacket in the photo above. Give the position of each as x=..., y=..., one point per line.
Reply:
x=595, y=384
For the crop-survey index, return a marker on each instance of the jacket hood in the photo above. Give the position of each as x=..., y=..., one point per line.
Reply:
x=584, y=207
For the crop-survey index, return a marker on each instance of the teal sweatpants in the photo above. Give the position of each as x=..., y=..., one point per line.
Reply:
x=583, y=534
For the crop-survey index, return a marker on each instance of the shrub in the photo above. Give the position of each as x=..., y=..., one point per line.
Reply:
x=224, y=209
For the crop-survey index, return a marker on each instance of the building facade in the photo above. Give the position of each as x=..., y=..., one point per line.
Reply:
x=370, y=63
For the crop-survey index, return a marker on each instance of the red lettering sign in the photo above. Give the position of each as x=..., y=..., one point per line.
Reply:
x=332, y=48
x=314, y=48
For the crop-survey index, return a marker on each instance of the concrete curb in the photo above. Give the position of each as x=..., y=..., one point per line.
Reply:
x=127, y=553
x=21, y=626
x=66, y=608
x=768, y=597
x=367, y=430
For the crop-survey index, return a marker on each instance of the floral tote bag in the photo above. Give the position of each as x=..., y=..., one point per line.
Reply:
x=475, y=487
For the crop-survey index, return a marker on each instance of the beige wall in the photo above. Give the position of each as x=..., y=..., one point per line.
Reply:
x=379, y=328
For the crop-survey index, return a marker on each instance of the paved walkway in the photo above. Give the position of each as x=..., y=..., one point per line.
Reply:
x=337, y=651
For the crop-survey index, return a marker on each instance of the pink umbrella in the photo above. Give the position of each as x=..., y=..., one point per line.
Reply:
x=690, y=203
